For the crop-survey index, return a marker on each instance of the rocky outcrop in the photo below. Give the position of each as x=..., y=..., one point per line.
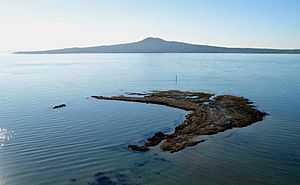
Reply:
x=209, y=115
x=156, y=139
x=59, y=106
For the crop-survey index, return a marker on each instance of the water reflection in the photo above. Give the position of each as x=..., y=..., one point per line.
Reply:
x=5, y=135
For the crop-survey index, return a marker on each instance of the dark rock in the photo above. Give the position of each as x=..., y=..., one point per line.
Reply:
x=161, y=159
x=139, y=164
x=156, y=139
x=138, y=148
x=99, y=174
x=101, y=179
x=109, y=178
x=59, y=106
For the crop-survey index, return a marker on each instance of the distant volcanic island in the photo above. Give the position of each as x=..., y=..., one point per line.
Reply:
x=158, y=45
x=209, y=114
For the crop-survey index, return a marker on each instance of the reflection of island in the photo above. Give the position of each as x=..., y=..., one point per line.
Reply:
x=209, y=115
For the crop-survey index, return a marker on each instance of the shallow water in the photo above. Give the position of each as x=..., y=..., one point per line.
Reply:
x=39, y=145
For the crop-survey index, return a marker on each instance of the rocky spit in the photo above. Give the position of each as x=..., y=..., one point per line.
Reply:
x=209, y=114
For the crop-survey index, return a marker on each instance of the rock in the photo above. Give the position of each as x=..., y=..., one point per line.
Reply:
x=156, y=139
x=208, y=115
x=59, y=106
x=100, y=178
x=138, y=148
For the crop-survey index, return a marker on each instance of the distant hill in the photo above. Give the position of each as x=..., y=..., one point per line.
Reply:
x=157, y=45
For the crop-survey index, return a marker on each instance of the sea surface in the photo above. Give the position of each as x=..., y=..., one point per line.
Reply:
x=86, y=142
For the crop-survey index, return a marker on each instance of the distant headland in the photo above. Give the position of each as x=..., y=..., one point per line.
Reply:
x=158, y=45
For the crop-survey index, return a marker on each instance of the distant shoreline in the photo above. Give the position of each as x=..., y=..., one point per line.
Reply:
x=157, y=45
x=25, y=53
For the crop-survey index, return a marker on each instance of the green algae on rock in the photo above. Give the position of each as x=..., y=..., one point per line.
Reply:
x=209, y=115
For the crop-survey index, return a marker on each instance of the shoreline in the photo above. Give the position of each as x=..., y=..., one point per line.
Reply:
x=208, y=115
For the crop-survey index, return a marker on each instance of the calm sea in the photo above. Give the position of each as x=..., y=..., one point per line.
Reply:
x=86, y=142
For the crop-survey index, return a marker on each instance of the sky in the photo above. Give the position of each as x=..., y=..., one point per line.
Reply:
x=50, y=24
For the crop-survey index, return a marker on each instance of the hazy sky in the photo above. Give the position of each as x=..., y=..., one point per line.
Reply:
x=47, y=24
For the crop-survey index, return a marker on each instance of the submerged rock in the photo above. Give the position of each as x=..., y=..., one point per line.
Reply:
x=138, y=148
x=73, y=180
x=59, y=106
x=109, y=178
x=209, y=115
x=102, y=179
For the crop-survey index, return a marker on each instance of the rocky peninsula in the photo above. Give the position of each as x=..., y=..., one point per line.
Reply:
x=209, y=114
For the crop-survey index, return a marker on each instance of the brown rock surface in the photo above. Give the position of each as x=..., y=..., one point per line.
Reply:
x=209, y=115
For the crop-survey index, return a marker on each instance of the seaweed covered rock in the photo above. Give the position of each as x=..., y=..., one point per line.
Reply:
x=208, y=115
